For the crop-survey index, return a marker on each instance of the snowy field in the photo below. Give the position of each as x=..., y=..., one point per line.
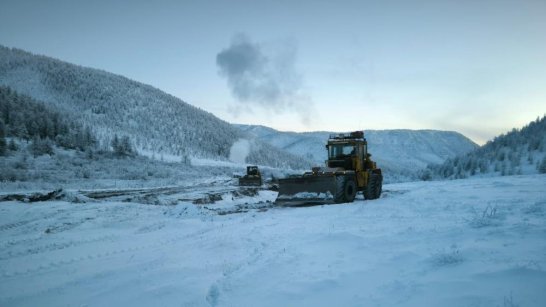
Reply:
x=474, y=242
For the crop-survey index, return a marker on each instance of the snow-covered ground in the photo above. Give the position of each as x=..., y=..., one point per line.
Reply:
x=474, y=242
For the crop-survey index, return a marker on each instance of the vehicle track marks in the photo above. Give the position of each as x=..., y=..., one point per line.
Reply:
x=53, y=247
x=103, y=254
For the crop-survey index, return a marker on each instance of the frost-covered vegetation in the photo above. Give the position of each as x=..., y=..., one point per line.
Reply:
x=25, y=118
x=77, y=169
x=520, y=151
x=44, y=148
x=156, y=122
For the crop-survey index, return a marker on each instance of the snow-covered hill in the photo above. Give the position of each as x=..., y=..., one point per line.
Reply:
x=520, y=151
x=158, y=123
x=473, y=242
x=401, y=153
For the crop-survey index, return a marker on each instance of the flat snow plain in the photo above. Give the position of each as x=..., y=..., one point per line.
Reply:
x=474, y=242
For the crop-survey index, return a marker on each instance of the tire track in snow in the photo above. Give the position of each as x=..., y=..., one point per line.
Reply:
x=15, y=225
x=15, y=242
x=150, y=228
x=53, y=247
x=63, y=287
x=100, y=255
x=223, y=284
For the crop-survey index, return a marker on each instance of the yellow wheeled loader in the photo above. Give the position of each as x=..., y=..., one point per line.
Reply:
x=348, y=170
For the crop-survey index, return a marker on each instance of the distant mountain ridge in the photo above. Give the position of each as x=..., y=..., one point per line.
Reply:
x=157, y=122
x=401, y=153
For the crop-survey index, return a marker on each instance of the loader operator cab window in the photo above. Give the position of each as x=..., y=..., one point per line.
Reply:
x=340, y=151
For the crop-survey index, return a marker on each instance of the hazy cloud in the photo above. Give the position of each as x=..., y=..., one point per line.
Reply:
x=264, y=75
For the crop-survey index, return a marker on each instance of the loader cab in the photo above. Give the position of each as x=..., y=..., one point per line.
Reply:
x=348, y=151
x=344, y=154
x=337, y=151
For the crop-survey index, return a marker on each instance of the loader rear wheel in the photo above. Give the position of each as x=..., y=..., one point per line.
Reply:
x=374, y=187
x=346, y=190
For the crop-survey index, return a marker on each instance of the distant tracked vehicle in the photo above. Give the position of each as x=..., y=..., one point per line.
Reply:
x=349, y=169
x=253, y=177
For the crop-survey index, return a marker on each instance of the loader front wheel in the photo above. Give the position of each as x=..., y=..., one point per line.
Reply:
x=350, y=190
x=374, y=187
x=346, y=190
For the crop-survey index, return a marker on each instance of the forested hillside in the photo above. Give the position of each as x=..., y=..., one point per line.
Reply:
x=25, y=118
x=520, y=151
x=39, y=143
x=158, y=123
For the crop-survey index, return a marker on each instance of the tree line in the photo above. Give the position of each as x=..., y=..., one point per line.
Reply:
x=27, y=119
x=505, y=155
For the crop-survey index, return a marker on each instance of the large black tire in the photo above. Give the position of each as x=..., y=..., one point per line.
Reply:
x=374, y=188
x=346, y=190
x=350, y=190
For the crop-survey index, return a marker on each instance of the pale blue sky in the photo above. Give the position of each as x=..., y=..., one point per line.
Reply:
x=477, y=67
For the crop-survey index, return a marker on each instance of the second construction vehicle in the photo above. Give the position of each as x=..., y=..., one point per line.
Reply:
x=348, y=170
x=253, y=177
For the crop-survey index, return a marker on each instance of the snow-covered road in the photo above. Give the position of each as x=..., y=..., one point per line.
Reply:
x=475, y=242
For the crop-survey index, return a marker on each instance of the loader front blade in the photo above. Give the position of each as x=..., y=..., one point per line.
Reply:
x=307, y=190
